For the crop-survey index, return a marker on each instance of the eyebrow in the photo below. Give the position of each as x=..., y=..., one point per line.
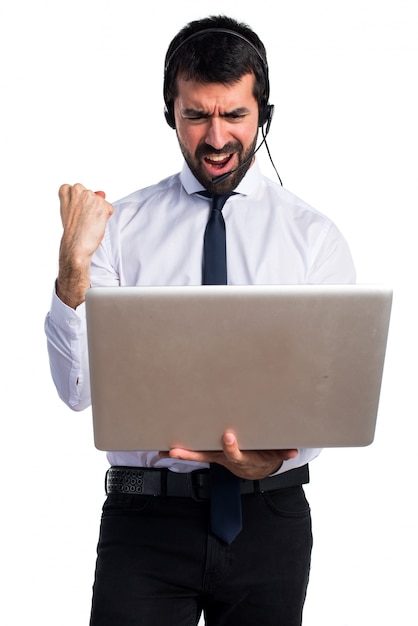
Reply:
x=201, y=113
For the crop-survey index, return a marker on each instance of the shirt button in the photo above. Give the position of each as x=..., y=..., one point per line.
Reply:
x=72, y=321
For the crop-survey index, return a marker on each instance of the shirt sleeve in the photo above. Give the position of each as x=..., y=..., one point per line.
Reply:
x=66, y=334
x=305, y=455
x=331, y=261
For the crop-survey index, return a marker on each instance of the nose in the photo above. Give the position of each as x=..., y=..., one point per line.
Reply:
x=217, y=133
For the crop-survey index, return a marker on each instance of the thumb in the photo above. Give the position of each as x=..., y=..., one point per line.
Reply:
x=100, y=193
x=230, y=442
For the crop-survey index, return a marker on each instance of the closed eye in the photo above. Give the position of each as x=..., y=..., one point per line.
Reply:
x=197, y=116
x=236, y=113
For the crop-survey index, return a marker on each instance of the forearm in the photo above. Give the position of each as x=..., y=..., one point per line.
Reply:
x=73, y=281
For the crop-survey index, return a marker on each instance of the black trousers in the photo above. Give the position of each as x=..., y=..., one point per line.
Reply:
x=159, y=565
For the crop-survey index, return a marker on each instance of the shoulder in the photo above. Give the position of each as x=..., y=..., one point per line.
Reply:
x=290, y=202
x=152, y=198
x=290, y=210
x=312, y=229
x=172, y=184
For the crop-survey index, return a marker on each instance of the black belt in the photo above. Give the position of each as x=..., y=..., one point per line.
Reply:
x=163, y=482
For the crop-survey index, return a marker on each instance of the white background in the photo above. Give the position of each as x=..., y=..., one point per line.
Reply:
x=81, y=101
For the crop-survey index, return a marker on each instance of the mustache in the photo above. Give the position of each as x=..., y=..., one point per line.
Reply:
x=206, y=149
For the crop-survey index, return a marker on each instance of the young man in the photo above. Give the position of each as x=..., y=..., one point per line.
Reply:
x=159, y=559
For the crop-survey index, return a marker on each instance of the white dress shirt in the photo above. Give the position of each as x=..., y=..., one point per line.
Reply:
x=155, y=237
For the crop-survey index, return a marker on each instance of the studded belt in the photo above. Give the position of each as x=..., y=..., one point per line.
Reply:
x=163, y=482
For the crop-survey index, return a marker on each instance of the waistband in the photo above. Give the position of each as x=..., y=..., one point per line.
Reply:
x=196, y=484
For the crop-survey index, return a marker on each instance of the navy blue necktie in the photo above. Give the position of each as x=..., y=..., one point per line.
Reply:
x=226, y=519
x=214, y=249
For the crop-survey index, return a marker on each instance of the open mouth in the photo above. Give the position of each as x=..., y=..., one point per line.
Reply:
x=218, y=162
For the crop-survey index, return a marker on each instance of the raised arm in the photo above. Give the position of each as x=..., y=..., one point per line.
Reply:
x=84, y=216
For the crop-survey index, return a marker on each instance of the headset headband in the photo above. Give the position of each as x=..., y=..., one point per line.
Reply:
x=228, y=32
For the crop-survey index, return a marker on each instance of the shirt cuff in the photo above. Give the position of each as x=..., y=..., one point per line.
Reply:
x=304, y=456
x=71, y=320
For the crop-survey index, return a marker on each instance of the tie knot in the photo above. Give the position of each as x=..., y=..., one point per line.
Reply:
x=218, y=201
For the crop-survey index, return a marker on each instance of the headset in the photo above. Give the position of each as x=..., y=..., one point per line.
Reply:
x=265, y=109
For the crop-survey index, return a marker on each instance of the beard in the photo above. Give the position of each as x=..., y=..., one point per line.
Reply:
x=232, y=180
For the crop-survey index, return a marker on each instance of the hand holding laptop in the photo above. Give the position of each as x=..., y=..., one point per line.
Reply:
x=248, y=464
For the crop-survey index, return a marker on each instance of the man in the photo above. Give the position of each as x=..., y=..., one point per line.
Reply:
x=159, y=559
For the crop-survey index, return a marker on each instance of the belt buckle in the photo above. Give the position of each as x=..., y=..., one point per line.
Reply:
x=198, y=485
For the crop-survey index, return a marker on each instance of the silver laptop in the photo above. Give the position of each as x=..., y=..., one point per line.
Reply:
x=281, y=366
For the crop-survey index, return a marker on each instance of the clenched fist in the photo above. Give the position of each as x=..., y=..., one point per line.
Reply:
x=84, y=216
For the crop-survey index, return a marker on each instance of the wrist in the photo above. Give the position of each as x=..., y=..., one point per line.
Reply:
x=71, y=287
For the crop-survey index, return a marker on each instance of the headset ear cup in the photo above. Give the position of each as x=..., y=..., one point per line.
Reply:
x=169, y=115
x=265, y=115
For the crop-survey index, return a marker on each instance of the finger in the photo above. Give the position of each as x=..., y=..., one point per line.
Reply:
x=198, y=456
x=67, y=191
x=64, y=191
x=230, y=446
x=64, y=194
x=290, y=453
x=182, y=453
x=100, y=193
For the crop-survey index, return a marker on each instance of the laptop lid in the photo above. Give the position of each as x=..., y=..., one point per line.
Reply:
x=283, y=366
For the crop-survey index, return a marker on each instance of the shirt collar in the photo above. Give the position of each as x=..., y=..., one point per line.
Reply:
x=249, y=183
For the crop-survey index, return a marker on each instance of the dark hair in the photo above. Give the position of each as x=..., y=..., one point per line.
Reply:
x=216, y=56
